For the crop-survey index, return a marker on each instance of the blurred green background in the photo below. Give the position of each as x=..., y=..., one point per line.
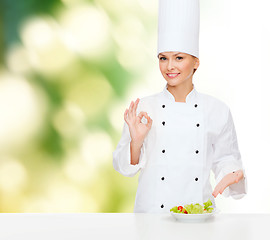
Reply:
x=67, y=68
x=68, y=71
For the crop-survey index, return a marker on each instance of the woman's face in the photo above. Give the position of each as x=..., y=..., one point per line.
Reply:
x=177, y=67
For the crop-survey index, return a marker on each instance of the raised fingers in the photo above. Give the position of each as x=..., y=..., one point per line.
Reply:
x=130, y=108
x=126, y=115
x=130, y=113
x=135, y=106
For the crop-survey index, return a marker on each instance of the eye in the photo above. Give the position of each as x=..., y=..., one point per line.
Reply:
x=179, y=58
x=162, y=58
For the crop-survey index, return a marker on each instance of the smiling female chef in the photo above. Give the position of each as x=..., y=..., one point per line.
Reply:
x=176, y=137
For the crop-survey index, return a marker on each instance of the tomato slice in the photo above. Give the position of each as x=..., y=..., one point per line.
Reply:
x=180, y=208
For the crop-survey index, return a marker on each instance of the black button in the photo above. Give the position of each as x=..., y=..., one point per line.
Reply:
x=163, y=150
x=163, y=106
x=197, y=151
x=162, y=206
x=198, y=125
x=196, y=179
x=162, y=178
x=163, y=123
x=195, y=105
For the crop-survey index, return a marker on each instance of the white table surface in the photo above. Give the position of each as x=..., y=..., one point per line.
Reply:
x=88, y=226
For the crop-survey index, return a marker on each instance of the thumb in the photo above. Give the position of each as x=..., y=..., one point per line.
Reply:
x=140, y=116
x=149, y=122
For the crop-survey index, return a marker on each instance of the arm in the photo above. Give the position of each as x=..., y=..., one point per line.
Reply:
x=122, y=155
x=127, y=158
x=227, y=164
x=135, y=150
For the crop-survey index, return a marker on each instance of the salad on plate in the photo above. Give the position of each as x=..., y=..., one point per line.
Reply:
x=194, y=208
x=193, y=212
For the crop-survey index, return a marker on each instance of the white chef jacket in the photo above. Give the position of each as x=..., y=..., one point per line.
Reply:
x=186, y=141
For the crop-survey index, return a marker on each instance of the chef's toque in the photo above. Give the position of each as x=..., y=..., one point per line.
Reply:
x=178, y=26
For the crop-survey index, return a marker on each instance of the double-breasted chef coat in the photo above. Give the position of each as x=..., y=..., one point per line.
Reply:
x=186, y=141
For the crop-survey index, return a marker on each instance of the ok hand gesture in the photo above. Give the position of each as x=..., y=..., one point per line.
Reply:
x=137, y=129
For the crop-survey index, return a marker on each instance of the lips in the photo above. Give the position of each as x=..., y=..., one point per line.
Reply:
x=172, y=75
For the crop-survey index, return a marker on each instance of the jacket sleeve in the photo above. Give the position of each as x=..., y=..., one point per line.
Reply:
x=121, y=155
x=227, y=159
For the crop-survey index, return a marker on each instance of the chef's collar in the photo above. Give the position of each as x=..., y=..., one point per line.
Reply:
x=189, y=98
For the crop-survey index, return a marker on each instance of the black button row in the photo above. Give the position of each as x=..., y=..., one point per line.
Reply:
x=163, y=151
x=197, y=151
x=197, y=125
x=162, y=178
x=196, y=105
x=196, y=179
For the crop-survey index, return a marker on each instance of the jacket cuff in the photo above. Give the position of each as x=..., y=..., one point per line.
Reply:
x=124, y=165
x=239, y=190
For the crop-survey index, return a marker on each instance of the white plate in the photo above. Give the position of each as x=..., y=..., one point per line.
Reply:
x=193, y=217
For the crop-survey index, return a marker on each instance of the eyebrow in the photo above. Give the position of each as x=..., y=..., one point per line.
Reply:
x=173, y=54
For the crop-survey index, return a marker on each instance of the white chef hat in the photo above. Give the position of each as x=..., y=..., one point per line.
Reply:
x=178, y=26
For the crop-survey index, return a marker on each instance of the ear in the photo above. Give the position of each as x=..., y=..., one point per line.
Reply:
x=197, y=63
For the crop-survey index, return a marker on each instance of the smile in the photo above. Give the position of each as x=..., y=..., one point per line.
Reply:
x=172, y=75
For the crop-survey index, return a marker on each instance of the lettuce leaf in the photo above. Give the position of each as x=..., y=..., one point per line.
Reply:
x=207, y=206
x=195, y=208
x=174, y=209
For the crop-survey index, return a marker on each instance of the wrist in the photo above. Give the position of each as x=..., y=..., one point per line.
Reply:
x=136, y=144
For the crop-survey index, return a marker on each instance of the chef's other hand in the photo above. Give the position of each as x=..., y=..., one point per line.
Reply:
x=137, y=129
x=226, y=181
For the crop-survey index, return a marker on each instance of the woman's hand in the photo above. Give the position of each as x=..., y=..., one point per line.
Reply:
x=137, y=129
x=229, y=179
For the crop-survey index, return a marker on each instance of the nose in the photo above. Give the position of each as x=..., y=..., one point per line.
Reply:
x=170, y=65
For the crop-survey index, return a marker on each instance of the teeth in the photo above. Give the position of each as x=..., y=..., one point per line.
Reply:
x=172, y=75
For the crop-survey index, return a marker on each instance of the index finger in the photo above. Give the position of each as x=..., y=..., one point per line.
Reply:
x=135, y=105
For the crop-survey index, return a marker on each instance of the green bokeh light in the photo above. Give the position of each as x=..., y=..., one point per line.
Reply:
x=78, y=71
